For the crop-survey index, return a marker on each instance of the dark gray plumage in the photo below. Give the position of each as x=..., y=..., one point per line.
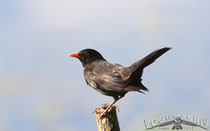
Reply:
x=113, y=79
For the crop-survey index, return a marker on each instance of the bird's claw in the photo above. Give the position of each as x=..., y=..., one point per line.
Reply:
x=101, y=115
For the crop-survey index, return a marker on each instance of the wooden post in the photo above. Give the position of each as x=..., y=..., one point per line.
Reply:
x=109, y=121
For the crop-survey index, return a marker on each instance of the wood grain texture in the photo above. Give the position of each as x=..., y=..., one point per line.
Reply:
x=109, y=121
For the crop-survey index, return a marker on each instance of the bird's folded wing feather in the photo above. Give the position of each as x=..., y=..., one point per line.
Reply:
x=111, y=81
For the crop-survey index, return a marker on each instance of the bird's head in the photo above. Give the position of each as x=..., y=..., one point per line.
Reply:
x=178, y=120
x=87, y=56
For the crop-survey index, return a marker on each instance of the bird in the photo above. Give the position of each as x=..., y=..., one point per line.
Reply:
x=177, y=124
x=114, y=80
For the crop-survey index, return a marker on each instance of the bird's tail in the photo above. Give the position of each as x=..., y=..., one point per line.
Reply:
x=149, y=59
x=136, y=69
x=140, y=88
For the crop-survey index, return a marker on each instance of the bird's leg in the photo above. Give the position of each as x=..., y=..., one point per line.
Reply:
x=115, y=100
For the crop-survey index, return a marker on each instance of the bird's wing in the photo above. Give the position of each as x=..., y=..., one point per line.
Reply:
x=192, y=124
x=111, y=81
x=162, y=124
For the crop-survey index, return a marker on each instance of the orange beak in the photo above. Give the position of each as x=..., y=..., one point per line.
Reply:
x=74, y=55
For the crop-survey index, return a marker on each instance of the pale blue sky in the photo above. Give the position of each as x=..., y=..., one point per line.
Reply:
x=41, y=88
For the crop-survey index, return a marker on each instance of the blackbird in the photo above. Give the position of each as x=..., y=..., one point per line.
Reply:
x=113, y=79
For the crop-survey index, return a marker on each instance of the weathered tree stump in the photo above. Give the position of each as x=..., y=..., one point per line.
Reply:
x=109, y=121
